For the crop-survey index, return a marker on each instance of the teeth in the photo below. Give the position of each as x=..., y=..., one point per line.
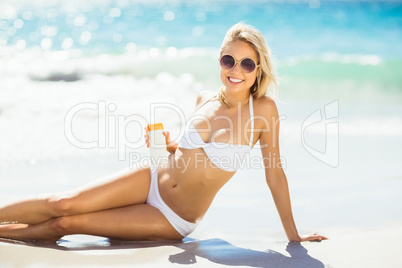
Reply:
x=235, y=80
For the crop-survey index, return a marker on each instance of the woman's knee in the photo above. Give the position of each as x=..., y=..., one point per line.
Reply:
x=60, y=226
x=63, y=205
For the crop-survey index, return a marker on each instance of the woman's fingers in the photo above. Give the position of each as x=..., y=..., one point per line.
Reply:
x=146, y=136
x=314, y=237
x=167, y=135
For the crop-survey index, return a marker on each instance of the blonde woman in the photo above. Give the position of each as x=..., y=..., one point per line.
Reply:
x=164, y=203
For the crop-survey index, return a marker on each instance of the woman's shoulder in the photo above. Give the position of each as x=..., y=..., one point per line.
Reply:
x=265, y=106
x=203, y=96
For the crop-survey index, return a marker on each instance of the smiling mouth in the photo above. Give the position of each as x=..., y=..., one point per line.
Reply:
x=234, y=80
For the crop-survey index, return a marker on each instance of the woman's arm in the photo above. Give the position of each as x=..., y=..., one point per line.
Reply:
x=275, y=176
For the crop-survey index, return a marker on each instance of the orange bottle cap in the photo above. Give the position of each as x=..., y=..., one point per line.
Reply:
x=155, y=126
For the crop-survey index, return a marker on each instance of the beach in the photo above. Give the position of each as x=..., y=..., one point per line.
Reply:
x=242, y=229
x=78, y=84
x=212, y=253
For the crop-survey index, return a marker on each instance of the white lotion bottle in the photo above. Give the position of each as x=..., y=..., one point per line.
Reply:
x=157, y=144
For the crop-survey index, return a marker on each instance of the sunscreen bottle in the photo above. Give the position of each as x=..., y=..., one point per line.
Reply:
x=157, y=144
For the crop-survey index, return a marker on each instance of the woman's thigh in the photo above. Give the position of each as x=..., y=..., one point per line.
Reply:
x=135, y=222
x=114, y=191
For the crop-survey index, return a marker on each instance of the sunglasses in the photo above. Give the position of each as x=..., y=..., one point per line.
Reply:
x=246, y=64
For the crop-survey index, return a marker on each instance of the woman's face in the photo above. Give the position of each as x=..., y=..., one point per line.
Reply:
x=236, y=80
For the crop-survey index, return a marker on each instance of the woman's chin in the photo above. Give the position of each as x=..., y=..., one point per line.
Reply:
x=235, y=89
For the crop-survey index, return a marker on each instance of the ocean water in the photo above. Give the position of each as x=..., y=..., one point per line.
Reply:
x=78, y=81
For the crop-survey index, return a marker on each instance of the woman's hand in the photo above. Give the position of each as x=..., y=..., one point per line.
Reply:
x=313, y=237
x=171, y=146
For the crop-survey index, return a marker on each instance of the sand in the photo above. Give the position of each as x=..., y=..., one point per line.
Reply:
x=241, y=229
x=346, y=248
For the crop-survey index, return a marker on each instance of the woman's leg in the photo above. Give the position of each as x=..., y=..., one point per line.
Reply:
x=122, y=190
x=134, y=222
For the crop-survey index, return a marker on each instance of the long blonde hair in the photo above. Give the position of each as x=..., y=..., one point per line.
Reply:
x=266, y=81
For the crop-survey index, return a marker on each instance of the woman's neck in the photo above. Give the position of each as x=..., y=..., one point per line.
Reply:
x=233, y=99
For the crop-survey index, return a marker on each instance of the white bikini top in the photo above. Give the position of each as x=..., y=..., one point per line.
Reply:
x=225, y=156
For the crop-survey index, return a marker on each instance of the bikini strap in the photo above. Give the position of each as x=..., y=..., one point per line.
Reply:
x=205, y=102
x=250, y=104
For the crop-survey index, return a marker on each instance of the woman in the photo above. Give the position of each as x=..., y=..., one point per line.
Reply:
x=155, y=203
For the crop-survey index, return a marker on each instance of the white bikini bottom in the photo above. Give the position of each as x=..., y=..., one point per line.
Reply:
x=154, y=199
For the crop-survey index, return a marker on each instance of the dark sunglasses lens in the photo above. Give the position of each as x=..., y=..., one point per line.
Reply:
x=227, y=62
x=247, y=65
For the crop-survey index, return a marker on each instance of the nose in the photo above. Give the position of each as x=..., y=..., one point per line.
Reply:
x=236, y=68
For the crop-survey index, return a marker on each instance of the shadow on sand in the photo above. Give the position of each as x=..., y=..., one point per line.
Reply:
x=215, y=250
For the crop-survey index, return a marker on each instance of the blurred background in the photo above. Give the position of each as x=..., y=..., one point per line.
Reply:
x=122, y=56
